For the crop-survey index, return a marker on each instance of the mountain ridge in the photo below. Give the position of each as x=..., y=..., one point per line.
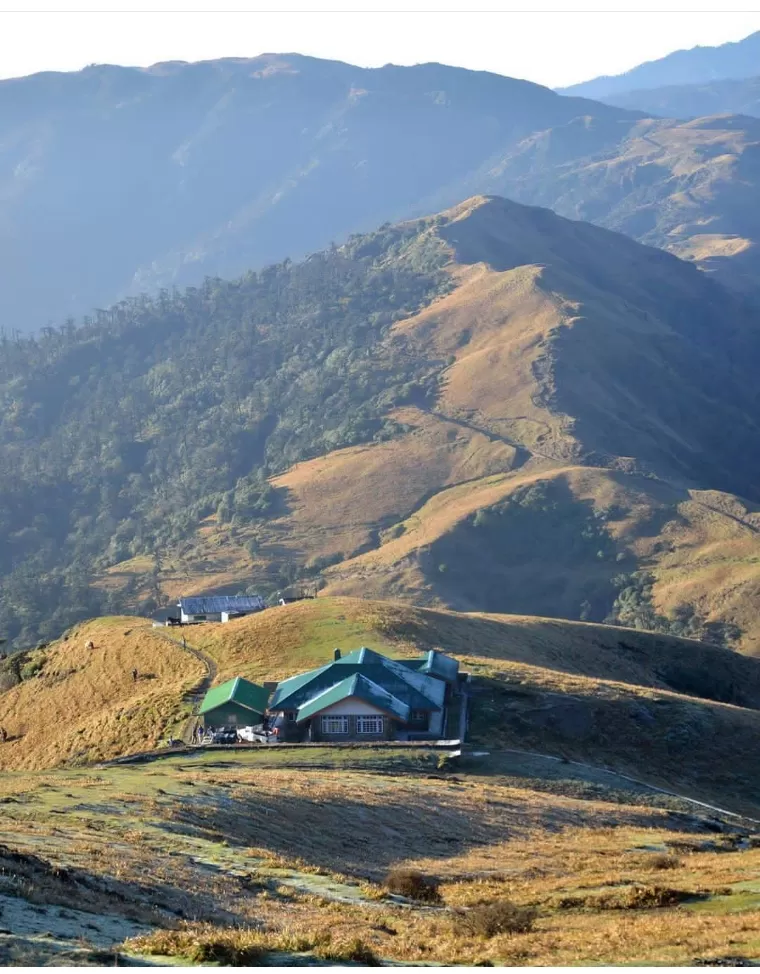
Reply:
x=382, y=401
x=734, y=97
x=213, y=168
x=702, y=63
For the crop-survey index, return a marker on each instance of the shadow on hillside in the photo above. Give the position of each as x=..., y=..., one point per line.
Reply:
x=628, y=656
x=364, y=838
x=46, y=884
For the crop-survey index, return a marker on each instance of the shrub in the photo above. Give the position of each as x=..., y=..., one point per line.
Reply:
x=665, y=861
x=32, y=667
x=413, y=885
x=491, y=919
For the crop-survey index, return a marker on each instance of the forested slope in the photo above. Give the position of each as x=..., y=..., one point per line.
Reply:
x=418, y=377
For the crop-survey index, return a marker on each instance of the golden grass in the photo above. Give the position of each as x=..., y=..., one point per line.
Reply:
x=83, y=705
x=184, y=831
x=524, y=342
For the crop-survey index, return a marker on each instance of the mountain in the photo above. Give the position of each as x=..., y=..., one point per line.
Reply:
x=494, y=409
x=117, y=181
x=690, y=101
x=699, y=65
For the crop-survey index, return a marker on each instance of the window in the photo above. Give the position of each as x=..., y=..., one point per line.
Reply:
x=418, y=717
x=290, y=716
x=369, y=725
x=335, y=725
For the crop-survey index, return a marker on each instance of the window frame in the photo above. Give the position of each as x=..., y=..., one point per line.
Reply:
x=418, y=716
x=328, y=720
x=375, y=719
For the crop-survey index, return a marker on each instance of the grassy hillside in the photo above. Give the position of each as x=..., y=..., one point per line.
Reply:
x=379, y=404
x=67, y=704
x=204, y=860
x=676, y=713
x=182, y=171
x=282, y=856
x=557, y=472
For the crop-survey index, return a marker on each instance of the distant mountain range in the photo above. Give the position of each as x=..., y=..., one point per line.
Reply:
x=699, y=65
x=115, y=181
x=691, y=101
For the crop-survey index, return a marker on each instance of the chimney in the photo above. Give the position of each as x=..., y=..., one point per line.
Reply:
x=336, y=654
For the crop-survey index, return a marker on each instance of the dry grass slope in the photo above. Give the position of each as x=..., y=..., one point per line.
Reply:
x=82, y=705
x=544, y=312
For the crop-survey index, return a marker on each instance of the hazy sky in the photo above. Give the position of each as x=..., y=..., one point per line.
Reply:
x=554, y=45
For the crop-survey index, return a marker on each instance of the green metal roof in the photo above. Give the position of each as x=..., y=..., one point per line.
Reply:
x=240, y=691
x=355, y=686
x=441, y=665
x=287, y=687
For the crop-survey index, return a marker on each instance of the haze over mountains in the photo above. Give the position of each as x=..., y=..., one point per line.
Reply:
x=119, y=180
x=699, y=65
x=690, y=101
x=361, y=415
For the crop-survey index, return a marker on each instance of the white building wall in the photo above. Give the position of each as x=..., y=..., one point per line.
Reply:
x=351, y=705
x=435, y=726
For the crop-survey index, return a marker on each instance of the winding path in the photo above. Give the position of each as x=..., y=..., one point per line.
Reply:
x=197, y=692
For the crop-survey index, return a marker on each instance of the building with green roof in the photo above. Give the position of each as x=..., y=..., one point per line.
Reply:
x=366, y=696
x=236, y=703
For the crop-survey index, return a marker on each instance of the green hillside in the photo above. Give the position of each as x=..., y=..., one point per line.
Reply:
x=359, y=415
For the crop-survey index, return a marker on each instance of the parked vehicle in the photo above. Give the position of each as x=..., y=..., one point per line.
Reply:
x=224, y=735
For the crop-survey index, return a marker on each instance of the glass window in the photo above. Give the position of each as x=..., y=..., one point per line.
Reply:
x=418, y=716
x=369, y=725
x=335, y=725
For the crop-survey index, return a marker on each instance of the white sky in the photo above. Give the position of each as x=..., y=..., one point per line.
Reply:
x=557, y=43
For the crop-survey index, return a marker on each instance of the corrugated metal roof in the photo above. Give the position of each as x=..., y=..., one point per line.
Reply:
x=294, y=683
x=355, y=686
x=418, y=691
x=240, y=691
x=198, y=605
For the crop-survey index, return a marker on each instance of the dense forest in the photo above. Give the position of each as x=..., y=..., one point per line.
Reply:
x=119, y=434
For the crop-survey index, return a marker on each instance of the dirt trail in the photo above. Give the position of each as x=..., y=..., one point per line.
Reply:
x=195, y=694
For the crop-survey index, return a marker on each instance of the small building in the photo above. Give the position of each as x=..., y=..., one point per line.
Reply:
x=365, y=696
x=236, y=703
x=218, y=608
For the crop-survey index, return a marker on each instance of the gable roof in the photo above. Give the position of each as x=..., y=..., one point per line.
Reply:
x=355, y=686
x=418, y=691
x=242, y=692
x=204, y=604
x=286, y=688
